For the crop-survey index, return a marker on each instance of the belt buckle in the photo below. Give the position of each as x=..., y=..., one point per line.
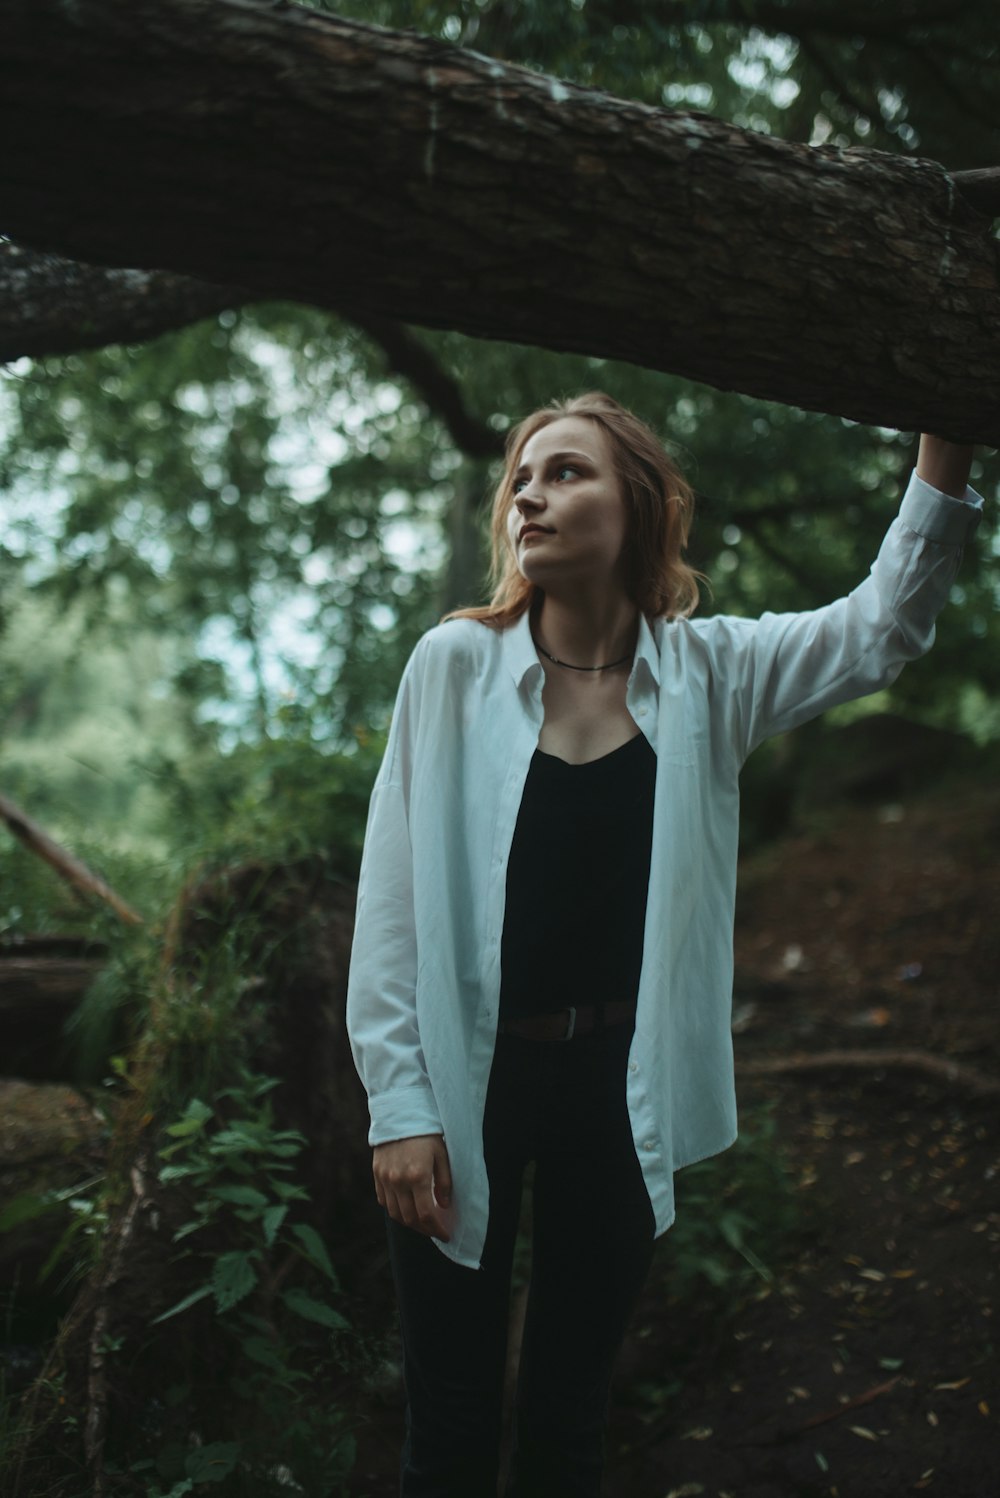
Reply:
x=571, y=1024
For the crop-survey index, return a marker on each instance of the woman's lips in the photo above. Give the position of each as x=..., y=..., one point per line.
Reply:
x=533, y=530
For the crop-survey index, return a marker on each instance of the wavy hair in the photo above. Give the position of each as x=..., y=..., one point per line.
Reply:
x=659, y=506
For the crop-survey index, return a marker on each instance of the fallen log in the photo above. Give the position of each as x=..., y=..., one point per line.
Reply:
x=43, y=979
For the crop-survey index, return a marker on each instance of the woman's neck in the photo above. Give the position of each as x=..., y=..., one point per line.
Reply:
x=587, y=635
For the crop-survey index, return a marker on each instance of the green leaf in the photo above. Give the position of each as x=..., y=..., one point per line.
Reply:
x=194, y=1118
x=261, y=1350
x=315, y=1249
x=175, y=1172
x=25, y=1207
x=212, y=1463
x=233, y=1277
x=240, y=1196
x=731, y=1225
x=182, y=1305
x=273, y=1218
x=288, y=1191
x=241, y=1139
x=189, y=1227
x=314, y=1310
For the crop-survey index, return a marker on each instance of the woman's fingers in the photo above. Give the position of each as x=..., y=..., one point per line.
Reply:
x=407, y=1175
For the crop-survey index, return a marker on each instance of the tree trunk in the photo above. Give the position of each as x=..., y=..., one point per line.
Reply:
x=310, y=158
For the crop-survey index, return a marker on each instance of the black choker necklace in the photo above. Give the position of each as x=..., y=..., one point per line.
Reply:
x=620, y=662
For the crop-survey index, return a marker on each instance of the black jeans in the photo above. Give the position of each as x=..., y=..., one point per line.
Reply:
x=562, y=1105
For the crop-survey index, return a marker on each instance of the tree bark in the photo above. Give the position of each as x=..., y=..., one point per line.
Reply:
x=301, y=155
x=51, y=305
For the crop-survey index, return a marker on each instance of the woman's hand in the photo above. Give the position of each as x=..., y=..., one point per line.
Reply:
x=413, y=1183
x=944, y=465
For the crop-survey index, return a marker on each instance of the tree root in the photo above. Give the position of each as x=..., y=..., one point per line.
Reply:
x=940, y=1068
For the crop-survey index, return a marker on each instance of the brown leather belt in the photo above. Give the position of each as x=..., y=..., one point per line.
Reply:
x=566, y=1024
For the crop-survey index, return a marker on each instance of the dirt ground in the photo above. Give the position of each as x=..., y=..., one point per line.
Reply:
x=868, y=1367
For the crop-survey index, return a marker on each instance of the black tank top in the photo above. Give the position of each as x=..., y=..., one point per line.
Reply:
x=577, y=881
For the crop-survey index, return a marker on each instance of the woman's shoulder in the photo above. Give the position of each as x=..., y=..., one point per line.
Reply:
x=456, y=641
x=709, y=632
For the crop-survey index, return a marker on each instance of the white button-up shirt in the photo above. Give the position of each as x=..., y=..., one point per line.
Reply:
x=425, y=969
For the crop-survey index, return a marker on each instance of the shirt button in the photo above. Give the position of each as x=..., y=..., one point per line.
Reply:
x=641, y=712
x=633, y=1066
x=649, y=1144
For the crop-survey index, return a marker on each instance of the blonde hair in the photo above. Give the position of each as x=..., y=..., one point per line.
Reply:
x=659, y=507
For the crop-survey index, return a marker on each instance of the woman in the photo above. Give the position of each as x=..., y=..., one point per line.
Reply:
x=542, y=966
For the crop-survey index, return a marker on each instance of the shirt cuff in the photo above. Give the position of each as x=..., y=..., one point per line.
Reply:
x=403, y=1113
x=940, y=517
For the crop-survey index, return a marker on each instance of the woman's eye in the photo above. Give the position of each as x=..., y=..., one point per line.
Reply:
x=566, y=468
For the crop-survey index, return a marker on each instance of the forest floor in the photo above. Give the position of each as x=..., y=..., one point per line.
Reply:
x=866, y=1367
x=863, y=1361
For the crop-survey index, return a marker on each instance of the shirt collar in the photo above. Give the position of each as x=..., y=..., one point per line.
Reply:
x=520, y=655
x=646, y=648
x=519, y=651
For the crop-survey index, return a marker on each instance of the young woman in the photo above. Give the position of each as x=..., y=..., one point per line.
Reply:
x=542, y=964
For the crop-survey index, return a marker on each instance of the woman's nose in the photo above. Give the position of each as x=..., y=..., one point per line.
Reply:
x=524, y=501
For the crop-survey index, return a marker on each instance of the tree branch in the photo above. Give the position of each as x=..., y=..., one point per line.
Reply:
x=51, y=305
x=414, y=362
x=887, y=23
x=981, y=189
x=64, y=863
x=391, y=175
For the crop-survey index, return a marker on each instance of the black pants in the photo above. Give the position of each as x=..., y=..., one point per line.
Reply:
x=561, y=1104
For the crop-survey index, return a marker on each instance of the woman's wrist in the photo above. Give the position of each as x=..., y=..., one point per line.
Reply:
x=944, y=465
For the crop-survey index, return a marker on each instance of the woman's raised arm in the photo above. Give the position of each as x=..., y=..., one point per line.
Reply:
x=944, y=465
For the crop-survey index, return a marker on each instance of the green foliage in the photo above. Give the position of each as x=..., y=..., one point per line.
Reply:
x=738, y=1223
x=736, y=1216
x=273, y=1290
x=276, y=800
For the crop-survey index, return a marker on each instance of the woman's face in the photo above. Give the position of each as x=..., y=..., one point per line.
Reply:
x=568, y=522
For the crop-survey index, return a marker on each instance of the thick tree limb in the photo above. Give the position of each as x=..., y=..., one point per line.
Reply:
x=296, y=153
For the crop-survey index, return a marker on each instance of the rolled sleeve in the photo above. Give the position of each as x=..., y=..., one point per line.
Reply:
x=940, y=517
x=403, y=1113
